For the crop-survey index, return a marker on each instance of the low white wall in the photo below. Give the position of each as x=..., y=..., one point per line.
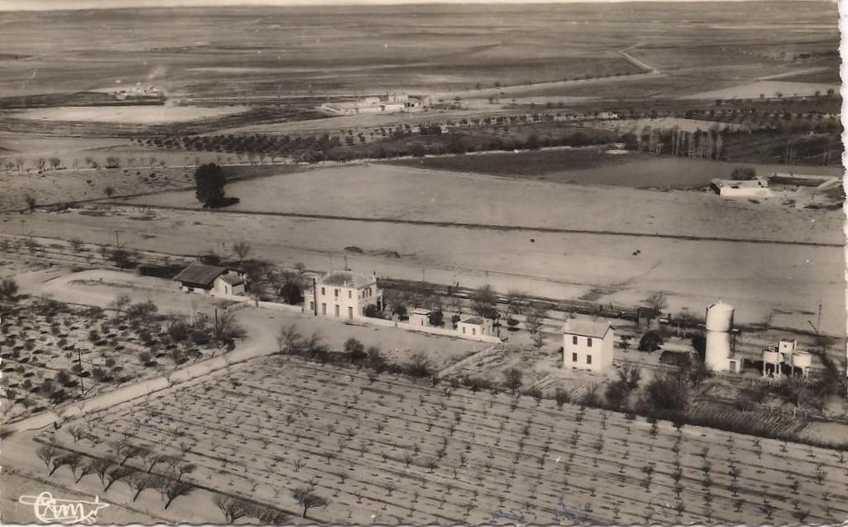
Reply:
x=433, y=330
x=263, y=304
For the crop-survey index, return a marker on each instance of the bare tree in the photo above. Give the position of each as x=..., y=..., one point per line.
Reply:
x=289, y=339
x=657, y=302
x=48, y=455
x=185, y=468
x=241, y=249
x=513, y=379
x=85, y=469
x=232, y=508
x=533, y=322
x=101, y=466
x=116, y=474
x=139, y=482
x=120, y=303
x=307, y=499
x=172, y=490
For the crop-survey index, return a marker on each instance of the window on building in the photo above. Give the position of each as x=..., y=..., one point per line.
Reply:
x=473, y=331
x=323, y=308
x=589, y=342
x=574, y=340
x=350, y=294
x=350, y=312
x=588, y=359
x=463, y=330
x=336, y=293
x=323, y=292
x=573, y=357
x=337, y=310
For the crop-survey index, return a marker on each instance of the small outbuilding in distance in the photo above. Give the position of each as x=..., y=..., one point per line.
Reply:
x=475, y=327
x=419, y=317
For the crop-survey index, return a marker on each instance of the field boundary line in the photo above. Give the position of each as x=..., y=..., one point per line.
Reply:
x=476, y=226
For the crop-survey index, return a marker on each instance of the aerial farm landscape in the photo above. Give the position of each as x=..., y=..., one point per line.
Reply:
x=430, y=264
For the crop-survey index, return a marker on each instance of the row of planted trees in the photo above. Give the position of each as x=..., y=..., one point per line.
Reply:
x=163, y=473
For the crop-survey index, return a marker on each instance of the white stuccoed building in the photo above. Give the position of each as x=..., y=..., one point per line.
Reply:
x=343, y=294
x=587, y=344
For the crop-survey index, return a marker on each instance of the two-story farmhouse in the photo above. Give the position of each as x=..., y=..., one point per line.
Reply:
x=587, y=344
x=343, y=294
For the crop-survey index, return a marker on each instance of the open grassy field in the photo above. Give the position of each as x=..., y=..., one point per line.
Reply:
x=127, y=114
x=594, y=166
x=265, y=52
x=382, y=449
x=770, y=89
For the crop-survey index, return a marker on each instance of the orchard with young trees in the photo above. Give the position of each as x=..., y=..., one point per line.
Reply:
x=349, y=442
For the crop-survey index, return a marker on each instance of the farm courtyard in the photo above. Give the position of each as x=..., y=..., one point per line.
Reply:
x=380, y=448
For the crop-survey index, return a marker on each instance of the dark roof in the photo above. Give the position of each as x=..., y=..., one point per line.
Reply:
x=477, y=321
x=200, y=274
x=586, y=328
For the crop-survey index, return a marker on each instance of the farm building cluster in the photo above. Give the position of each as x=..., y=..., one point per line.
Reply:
x=588, y=343
x=388, y=103
x=799, y=187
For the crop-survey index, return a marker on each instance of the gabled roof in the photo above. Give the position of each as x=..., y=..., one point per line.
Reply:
x=420, y=311
x=232, y=279
x=586, y=327
x=477, y=321
x=347, y=279
x=200, y=274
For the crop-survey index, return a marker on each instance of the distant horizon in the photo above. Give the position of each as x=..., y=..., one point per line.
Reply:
x=78, y=5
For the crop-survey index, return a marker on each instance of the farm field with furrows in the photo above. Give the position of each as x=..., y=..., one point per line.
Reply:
x=382, y=449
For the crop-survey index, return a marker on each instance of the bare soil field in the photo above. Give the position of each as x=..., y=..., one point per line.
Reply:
x=128, y=114
x=298, y=50
x=770, y=89
x=758, y=278
x=403, y=193
x=147, y=172
x=383, y=449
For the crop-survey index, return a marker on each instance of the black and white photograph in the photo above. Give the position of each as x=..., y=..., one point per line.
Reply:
x=413, y=262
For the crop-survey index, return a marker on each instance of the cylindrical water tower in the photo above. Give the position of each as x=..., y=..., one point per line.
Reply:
x=719, y=324
x=720, y=317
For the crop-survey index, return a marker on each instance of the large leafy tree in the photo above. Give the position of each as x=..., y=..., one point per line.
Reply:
x=209, y=180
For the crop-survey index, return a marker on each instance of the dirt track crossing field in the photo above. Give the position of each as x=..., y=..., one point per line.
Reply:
x=382, y=449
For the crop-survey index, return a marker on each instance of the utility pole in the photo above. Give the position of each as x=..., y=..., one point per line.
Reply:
x=79, y=362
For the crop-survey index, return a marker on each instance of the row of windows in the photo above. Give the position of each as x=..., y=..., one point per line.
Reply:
x=365, y=292
x=575, y=338
x=588, y=358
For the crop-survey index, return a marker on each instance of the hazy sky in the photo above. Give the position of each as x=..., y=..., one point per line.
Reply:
x=16, y=5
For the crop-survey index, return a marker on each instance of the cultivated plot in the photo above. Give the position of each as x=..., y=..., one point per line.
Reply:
x=380, y=448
